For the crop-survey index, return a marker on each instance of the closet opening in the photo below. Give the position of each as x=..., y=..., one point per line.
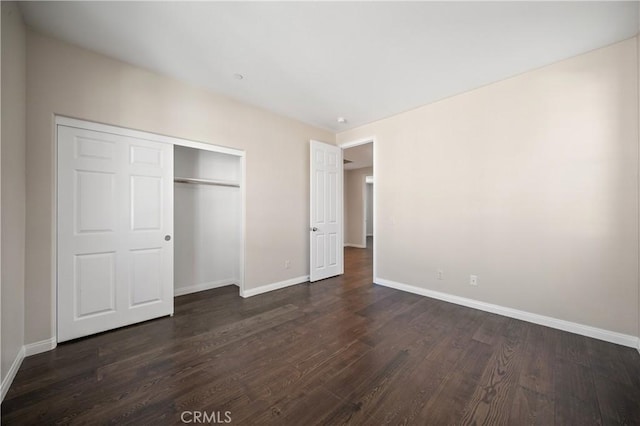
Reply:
x=207, y=220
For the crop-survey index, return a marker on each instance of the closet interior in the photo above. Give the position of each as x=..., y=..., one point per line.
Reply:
x=207, y=219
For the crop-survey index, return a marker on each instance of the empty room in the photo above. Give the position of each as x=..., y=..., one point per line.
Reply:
x=300, y=213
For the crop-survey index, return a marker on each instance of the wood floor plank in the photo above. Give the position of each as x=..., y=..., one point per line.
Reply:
x=447, y=404
x=307, y=408
x=490, y=331
x=538, y=362
x=366, y=368
x=618, y=402
x=408, y=393
x=606, y=363
x=629, y=357
x=573, y=347
x=356, y=406
x=492, y=400
x=531, y=408
x=575, y=394
x=339, y=351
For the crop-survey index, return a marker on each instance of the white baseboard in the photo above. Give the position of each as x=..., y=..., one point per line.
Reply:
x=180, y=291
x=25, y=351
x=355, y=245
x=11, y=374
x=572, y=327
x=274, y=286
x=39, y=347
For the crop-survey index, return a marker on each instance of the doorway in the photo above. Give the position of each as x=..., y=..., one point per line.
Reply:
x=368, y=211
x=359, y=196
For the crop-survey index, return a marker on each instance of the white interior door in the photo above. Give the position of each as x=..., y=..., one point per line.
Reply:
x=115, y=228
x=327, y=251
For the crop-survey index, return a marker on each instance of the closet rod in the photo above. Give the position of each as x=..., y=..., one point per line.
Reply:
x=206, y=182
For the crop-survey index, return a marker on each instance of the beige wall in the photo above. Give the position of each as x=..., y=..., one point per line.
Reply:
x=529, y=183
x=63, y=79
x=13, y=180
x=354, y=199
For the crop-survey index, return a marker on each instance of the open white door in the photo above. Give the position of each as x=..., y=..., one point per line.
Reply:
x=115, y=227
x=327, y=252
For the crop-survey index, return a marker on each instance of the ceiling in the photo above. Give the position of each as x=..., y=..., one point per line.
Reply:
x=316, y=61
x=360, y=156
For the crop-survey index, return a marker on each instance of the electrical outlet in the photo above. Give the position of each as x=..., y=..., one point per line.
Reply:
x=287, y=264
x=473, y=280
x=440, y=274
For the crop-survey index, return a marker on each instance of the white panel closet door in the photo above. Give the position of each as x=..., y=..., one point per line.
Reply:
x=327, y=249
x=115, y=228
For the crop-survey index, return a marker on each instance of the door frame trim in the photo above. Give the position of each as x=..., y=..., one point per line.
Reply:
x=60, y=120
x=358, y=142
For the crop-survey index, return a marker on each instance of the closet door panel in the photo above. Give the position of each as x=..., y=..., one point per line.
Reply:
x=94, y=288
x=115, y=208
x=146, y=203
x=92, y=214
x=146, y=281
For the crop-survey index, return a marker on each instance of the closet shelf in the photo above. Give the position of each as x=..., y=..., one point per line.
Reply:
x=206, y=182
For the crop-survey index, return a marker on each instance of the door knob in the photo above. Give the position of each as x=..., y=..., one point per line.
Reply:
x=314, y=229
x=167, y=237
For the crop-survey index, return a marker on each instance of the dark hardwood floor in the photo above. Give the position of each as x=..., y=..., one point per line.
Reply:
x=333, y=352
